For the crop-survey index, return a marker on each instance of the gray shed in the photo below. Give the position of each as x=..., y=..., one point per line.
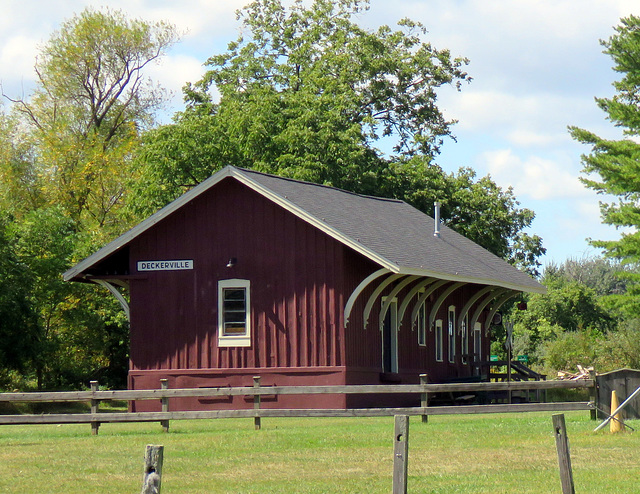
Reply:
x=624, y=382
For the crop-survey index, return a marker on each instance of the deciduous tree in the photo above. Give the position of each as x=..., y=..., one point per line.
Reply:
x=91, y=99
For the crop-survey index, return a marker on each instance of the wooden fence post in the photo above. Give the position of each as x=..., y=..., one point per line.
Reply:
x=257, y=424
x=424, y=397
x=164, y=384
x=400, y=454
x=593, y=395
x=564, y=457
x=152, y=480
x=94, y=408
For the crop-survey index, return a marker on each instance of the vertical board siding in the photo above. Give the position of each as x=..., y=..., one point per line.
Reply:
x=290, y=264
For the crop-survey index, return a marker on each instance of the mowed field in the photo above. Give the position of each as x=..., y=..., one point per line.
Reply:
x=500, y=453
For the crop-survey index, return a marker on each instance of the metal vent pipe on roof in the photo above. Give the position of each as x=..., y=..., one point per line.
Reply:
x=436, y=225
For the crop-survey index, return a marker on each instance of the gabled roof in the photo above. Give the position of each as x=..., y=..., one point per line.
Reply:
x=390, y=232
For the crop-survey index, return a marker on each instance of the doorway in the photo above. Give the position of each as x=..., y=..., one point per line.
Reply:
x=390, y=338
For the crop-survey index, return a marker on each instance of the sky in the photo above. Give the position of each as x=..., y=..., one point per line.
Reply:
x=537, y=66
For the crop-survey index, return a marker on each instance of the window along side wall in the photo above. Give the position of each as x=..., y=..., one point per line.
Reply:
x=234, y=313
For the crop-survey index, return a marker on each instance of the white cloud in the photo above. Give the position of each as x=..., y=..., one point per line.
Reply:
x=18, y=53
x=531, y=120
x=534, y=177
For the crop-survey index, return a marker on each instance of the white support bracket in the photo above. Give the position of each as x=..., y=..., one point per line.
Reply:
x=376, y=293
x=123, y=302
x=412, y=293
x=496, y=307
x=443, y=296
x=423, y=298
x=390, y=298
x=359, y=289
x=476, y=296
x=481, y=306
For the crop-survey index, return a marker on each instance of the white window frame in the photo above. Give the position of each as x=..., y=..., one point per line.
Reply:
x=241, y=340
x=477, y=342
x=464, y=327
x=451, y=333
x=393, y=314
x=422, y=325
x=438, y=345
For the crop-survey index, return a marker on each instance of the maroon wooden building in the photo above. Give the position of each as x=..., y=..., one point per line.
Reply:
x=251, y=274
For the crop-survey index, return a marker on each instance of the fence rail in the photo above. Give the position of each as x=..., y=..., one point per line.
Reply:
x=95, y=397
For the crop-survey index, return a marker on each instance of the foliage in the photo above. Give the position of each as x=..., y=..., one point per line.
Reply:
x=578, y=321
x=570, y=349
x=84, y=116
x=600, y=274
x=567, y=307
x=20, y=180
x=370, y=83
x=613, y=166
x=621, y=349
x=17, y=321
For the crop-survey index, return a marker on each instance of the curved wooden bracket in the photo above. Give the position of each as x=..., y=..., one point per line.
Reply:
x=422, y=298
x=440, y=301
x=359, y=289
x=390, y=298
x=376, y=293
x=474, y=298
x=496, y=307
x=481, y=305
x=409, y=296
x=109, y=286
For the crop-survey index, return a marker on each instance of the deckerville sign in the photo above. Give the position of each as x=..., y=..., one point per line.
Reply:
x=174, y=265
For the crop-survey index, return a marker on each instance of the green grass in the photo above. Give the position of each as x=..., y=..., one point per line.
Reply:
x=450, y=454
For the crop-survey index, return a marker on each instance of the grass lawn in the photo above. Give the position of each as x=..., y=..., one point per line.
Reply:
x=467, y=453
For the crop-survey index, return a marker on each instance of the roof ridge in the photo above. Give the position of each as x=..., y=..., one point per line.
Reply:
x=306, y=182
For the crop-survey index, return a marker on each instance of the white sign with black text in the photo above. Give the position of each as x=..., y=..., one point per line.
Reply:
x=173, y=265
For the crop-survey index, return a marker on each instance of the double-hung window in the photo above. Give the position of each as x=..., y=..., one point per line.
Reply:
x=451, y=326
x=438, y=346
x=465, y=339
x=422, y=325
x=234, y=313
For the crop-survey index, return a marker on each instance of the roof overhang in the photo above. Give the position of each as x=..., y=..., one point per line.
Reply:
x=77, y=272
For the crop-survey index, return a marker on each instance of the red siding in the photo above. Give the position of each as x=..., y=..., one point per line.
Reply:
x=296, y=285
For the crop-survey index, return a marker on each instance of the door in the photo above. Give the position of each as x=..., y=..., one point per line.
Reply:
x=390, y=338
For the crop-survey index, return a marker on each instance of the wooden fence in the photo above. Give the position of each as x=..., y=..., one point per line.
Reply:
x=164, y=395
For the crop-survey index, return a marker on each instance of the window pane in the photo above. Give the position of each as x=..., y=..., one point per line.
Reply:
x=422, y=326
x=234, y=312
x=234, y=328
x=234, y=294
x=234, y=306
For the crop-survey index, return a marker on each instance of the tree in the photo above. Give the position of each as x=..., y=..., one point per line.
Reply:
x=17, y=320
x=21, y=187
x=306, y=93
x=65, y=165
x=371, y=83
x=613, y=166
x=90, y=102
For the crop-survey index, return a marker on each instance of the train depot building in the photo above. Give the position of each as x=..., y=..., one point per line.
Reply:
x=250, y=274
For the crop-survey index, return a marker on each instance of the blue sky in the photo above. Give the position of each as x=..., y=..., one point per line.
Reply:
x=536, y=68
